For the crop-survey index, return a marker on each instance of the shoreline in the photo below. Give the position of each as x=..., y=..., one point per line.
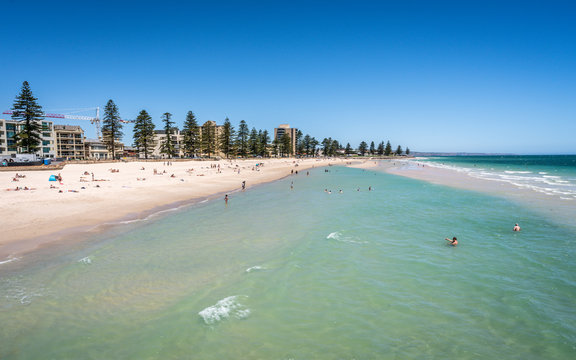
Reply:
x=549, y=207
x=55, y=212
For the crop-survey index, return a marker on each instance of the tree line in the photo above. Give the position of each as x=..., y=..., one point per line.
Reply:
x=197, y=140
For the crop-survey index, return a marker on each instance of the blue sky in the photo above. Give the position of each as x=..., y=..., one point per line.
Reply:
x=454, y=76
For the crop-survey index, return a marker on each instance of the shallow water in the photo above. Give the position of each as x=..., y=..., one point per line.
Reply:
x=304, y=274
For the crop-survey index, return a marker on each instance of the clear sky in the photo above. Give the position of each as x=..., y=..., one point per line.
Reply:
x=454, y=76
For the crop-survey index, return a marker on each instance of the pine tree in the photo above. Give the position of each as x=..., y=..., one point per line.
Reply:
x=242, y=139
x=25, y=109
x=226, y=138
x=253, y=142
x=348, y=149
x=335, y=147
x=167, y=147
x=399, y=150
x=363, y=148
x=111, y=127
x=372, y=148
x=286, y=145
x=299, y=143
x=306, y=144
x=313, y=144
x=191, y=135
x=407, y=151
x=209, y=138
x=144, y=133
x=381, y=148
x=326, y=146
x=264, y=140
x=388, y=149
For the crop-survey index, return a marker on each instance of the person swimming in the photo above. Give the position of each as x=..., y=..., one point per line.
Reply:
x=516, y=228
x=453, y=241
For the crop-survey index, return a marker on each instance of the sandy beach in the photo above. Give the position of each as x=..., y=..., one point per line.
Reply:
x=91, y=195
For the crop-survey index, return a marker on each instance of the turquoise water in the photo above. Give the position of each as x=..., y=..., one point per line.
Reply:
x=304, y=274
x=552, y=175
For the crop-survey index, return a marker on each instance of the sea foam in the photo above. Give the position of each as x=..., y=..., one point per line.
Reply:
x=338, y=236
x=9, y=261
x=85, y=260
x=225, y=308
x=255, y=268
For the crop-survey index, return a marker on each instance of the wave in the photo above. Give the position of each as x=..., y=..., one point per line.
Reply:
x=9, y=261
x=86, y=260
x=255, y=268
x=224, y=309
x=338, y=236
x=537, y=181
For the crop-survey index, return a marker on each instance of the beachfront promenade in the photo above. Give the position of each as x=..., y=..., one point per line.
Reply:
x=41, y=212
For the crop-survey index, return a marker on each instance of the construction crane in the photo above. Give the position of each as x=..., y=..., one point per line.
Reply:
x=93, y=120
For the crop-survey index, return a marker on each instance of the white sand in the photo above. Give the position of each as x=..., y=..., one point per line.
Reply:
x=31, y=218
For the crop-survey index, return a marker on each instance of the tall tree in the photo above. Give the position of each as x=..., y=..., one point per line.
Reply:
x=335, y=147
x=227, y=138
x=144, y=133
x=168, y=147
x=306, y=144
x=286, y=145
x=326, y=146
x=191, y=135
x=111, y=127
x=253, y=143
x=399, y=150
x=313, y=144
x=363, y=148
x=348, y=149
x=299, y=143
x=372, y=148
x=264, y=140
x=388, y=149
x=407, y=151
x=242, y=139
x=25, y=109
x=209, y=140
x=381, y=148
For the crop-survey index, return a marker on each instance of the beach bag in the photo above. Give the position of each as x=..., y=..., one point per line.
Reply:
x=52, y=178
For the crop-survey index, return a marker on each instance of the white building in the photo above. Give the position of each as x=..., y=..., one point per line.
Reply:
x=8, y=128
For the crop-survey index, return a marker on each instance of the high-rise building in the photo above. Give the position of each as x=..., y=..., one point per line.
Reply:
x=286, y=129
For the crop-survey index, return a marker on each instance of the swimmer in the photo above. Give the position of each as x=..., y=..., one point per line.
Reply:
x=453, y=241
x=226, y=199
x=516, y=228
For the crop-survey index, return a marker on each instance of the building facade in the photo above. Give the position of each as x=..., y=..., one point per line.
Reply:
x=95, y=149
x=160, y=138
x=286, y=129
x=8, y=128
x=69, y=142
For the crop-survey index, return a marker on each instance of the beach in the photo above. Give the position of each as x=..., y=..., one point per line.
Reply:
x=347, y=262
x=91, y=195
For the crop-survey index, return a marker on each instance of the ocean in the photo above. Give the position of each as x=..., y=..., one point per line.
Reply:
x=297, y=269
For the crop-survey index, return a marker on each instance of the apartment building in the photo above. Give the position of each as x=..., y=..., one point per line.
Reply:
x=69, y=142
x=8, y=128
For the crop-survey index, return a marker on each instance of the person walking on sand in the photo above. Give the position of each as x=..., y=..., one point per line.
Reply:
x=243, y=184
x=453, y=241
x=516, y=228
